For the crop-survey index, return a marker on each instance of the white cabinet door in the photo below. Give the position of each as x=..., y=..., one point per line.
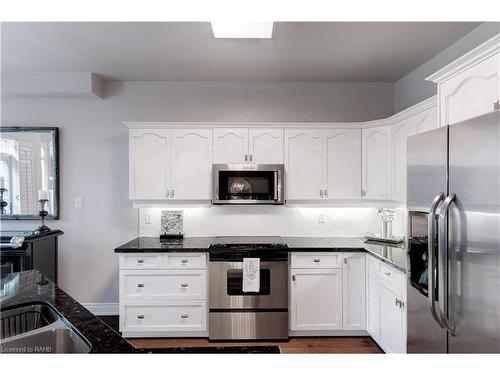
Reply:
x=342, y=154
x=316, y=299
x=265, y=146
x=425, y=121
x=304, y=163
x=230, y=145
x=372, y=297
x=470, y=93
x=392, y=331
x=400, y=133
x=354, y=296
x=191, y=164
x=376, y=162
x=149, y=163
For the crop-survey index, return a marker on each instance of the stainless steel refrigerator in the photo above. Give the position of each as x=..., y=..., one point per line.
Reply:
x=453, y=199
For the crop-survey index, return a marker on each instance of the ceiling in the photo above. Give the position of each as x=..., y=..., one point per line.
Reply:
x=176, y=51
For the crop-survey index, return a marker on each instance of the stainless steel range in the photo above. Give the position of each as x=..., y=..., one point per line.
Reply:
x=238, y=315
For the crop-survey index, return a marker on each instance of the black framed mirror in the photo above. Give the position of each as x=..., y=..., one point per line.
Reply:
x=29, y=172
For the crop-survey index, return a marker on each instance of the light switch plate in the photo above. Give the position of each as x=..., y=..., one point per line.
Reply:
x=78, y=202
x=147, y=217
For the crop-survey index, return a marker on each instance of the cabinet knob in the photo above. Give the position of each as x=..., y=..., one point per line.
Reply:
x=321, y=193
x=326, y=193
x=184, y=316
x=172, y=193
x=184, y=261
x=167, y=194
x=184, y=285
x=363, y=192
x=246, y=157
x=251, y=157
x=140, y=261
x=387, y=273
x=293, y=277
x=140, y=285
x=140, y=316
x=317, y=260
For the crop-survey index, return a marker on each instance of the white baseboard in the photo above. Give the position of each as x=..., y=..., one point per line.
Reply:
x=102, y=308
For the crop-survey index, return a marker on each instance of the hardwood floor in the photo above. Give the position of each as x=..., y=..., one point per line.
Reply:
x=298, y=345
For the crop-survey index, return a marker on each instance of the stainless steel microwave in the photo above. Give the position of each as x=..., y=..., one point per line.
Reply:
x=248, y=183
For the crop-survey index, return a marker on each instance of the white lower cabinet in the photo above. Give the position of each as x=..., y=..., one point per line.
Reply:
x=316, y=299
x=354, y=295
x=163, y=295
x=327, y=293
x=386, y=305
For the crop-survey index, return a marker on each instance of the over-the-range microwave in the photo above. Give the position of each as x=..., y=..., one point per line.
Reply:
x=248, y=184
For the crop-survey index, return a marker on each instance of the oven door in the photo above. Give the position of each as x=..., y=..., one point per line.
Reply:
x=248, y=183
x=226, y=281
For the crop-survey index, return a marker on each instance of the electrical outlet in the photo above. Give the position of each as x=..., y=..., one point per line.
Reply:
x=147, y=217
x=322, y=218
x=78, y=202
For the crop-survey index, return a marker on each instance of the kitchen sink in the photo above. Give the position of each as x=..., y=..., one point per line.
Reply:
x=39, y=328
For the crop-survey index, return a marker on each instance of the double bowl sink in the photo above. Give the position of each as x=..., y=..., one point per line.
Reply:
x=39, y=328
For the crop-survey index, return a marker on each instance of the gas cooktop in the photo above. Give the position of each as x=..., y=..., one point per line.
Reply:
x=248, y=243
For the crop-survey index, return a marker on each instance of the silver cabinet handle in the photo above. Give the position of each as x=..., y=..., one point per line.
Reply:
x=363, y=192
x=443, y=262
x=172, y=192
x=140, y=285
x=396, y=301
x=326, y=193
x=167, y=194
x=293, y=277
x=140, y=261
x=387, y=273
x=184, y=261
x=431, y=235
x=184, y=285
x=321, y=193
x=184, y=316
x=317, y=260
x=345, y=260
x=140, y=316
x=246, y=157
x=251, y=157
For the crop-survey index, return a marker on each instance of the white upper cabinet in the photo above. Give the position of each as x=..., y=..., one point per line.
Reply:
x=149, y=174
x=342, y=163
x=376, y=162
x=265, y=146
x=191, y=164
x=354, y=295
x=316, y=299
x=416, y=124
x=303, y=164
x=469, y=86
x=230, y=145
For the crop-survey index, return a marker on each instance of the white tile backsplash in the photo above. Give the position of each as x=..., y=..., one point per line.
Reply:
x=274, y=220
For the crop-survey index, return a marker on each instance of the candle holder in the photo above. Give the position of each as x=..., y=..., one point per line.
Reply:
x=43, y=228
x=3, y=203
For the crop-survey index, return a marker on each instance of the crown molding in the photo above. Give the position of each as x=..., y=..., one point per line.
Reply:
x=408, y=112
x=473, y=57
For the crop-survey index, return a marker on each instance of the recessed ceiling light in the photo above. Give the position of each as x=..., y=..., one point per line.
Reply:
x=248, y=30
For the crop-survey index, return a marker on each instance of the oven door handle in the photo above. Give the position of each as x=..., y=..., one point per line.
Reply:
x=276, y=197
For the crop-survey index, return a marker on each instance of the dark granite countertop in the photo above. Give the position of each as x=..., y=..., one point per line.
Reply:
x=394, y=255
x=22, y=288
x=154, y=245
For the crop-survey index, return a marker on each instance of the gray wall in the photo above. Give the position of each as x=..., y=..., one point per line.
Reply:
x=94, y=152
x=413, y=87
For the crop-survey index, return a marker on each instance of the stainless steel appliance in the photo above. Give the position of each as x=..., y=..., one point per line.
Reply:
x=248, y=184
x=236, y=315
x=454, y=238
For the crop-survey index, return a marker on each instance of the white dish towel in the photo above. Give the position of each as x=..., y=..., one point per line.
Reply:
x=251, y=275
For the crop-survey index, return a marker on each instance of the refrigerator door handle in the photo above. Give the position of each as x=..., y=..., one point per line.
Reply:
x=443, y=262
x=431, y=235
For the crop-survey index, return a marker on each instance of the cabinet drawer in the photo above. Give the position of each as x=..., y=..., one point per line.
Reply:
x=171, y=316
x=173, y=284
x=141, y=261
x=184, y=260
x=392, y=277
x=316, y=260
